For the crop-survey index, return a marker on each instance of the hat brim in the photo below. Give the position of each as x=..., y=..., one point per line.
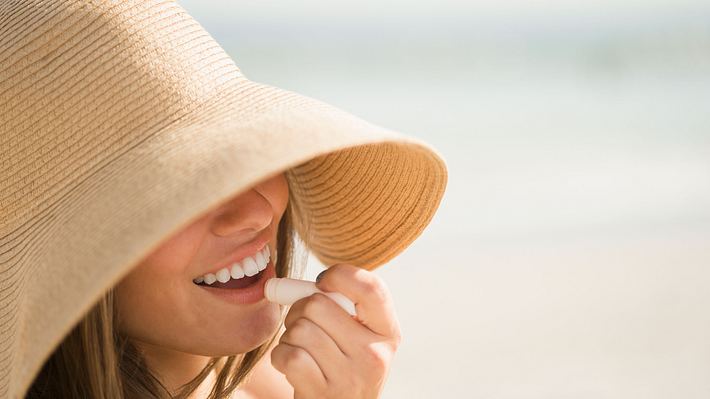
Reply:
x=366, y=192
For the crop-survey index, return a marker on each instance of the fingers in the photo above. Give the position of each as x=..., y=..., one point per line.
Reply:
x=326, y=353
x=306, y=354
x=373, y=303
x=307, y=335
x=346, y=333
x=300, y=369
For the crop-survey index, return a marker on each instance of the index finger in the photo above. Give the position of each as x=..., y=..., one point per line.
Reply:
x=373, y=302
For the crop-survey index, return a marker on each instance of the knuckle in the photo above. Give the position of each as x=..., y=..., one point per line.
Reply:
x=287, y=337
x=314, y=305
x=289, y=319
x=278, y=357
x=300, y=305
x=295, y=311
x=377, y=357
x=374, y=287
x=301, y=329
x=340, y=272
x=294, y=357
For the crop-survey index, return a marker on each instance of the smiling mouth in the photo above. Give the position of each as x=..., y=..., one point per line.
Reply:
x=243, y=282
x=240, y=274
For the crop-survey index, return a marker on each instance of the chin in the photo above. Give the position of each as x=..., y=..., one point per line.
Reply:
x=244, y=344
x=256, y=330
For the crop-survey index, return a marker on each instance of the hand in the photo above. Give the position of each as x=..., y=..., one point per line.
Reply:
x=325, y=352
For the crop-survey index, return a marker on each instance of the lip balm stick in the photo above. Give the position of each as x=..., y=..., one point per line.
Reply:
x=286, y=291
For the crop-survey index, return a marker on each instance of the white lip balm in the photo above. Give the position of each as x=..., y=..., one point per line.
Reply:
x=286, y=291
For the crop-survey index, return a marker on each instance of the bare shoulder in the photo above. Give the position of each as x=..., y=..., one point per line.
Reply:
x=266, y=382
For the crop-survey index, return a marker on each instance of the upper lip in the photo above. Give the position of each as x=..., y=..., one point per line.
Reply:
x=242, y=252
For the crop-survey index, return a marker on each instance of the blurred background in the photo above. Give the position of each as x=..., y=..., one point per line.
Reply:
x=569, y=258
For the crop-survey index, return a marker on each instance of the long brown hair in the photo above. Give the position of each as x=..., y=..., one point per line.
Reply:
x=96, y=361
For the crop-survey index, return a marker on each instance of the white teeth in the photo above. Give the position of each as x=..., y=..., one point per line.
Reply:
x=210, y=278
x=223, y=275
x=250, y=266
x=267, y=255
x=237, y=271
x=260, y=261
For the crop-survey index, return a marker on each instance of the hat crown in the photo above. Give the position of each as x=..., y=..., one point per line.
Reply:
x=80, y=76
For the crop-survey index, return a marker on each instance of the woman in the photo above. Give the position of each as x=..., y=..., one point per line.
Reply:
x=180, y=329
x=148, y=191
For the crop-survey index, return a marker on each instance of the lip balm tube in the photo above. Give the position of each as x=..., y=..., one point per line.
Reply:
x=286, y=291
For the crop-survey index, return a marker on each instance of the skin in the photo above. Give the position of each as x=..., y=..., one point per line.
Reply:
x=323, y=352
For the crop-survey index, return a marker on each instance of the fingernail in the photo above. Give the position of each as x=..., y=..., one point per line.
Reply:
x=320, y=275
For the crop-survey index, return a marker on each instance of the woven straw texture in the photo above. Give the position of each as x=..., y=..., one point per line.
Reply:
x=122, y=122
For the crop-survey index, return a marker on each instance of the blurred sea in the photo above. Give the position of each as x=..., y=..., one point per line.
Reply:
x=569, y=258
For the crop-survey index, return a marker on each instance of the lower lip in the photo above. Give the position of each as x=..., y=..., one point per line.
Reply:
x=251, y=294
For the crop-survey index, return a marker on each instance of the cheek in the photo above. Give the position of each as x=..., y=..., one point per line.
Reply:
x=156, y=312
x=144, y=302
x=154, y=290
x=170, y=317
x=158, y=304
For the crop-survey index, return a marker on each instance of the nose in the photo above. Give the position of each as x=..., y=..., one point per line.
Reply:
x=247, y=213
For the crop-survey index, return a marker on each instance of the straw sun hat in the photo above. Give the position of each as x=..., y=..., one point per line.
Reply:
x=123, y=121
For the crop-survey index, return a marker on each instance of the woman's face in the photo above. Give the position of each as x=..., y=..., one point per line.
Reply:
x=159, y=303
